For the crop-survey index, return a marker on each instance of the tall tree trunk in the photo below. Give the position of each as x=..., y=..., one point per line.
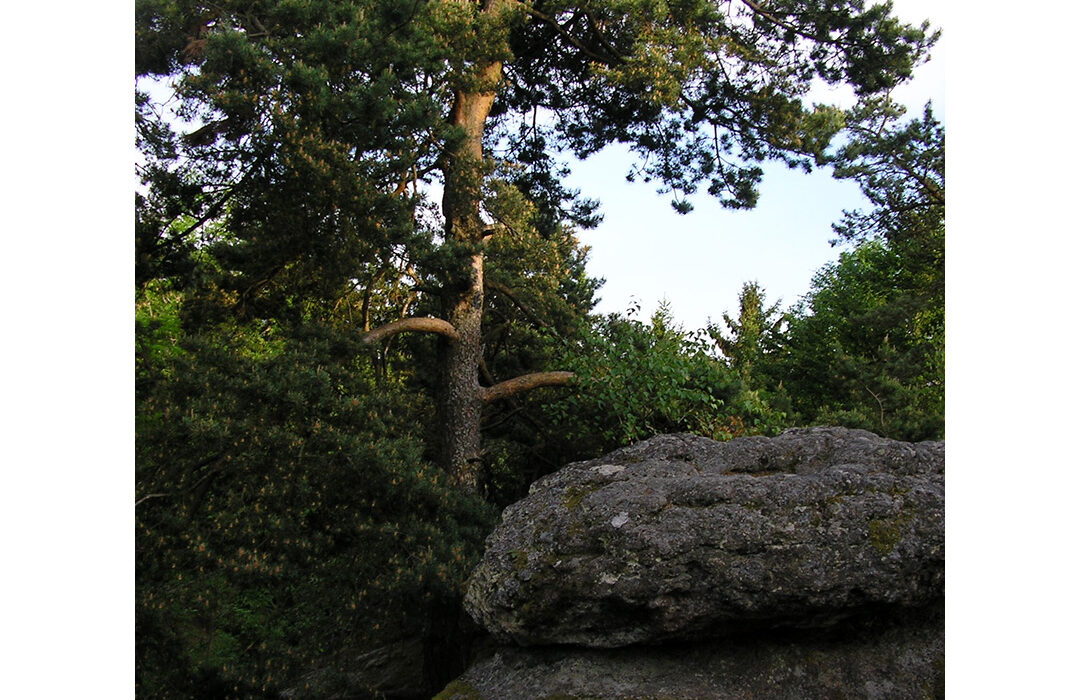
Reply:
x=462, y=401
x=462, y=398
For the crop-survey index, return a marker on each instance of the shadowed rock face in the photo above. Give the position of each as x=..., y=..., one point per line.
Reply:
x=684, y=538
x=899, y=658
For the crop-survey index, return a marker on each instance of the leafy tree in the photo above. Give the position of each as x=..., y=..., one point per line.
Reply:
x=287, y=505
x=317, y=116
x=760, y=405
x=636, y=380
x=858, y=351
x=901, y=170
x=866, y=346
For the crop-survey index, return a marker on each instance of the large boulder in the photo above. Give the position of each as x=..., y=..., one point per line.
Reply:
x=684, y=538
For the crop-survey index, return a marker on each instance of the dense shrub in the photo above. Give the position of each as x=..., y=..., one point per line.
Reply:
x=635, y=380
x=285, y=513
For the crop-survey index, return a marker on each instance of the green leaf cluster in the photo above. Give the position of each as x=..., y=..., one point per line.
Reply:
x=864, y=350
x=636, y=380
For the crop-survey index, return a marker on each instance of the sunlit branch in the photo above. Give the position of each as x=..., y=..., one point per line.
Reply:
x=418, y=324
x=524, y=383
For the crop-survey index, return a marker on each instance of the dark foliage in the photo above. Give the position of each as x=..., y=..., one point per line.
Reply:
x=285, y=514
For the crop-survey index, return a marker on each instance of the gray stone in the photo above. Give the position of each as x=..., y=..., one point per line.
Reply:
x=684, y=538
x=897, y=660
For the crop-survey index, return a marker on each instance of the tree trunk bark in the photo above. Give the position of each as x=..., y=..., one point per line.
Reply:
x=462, y=398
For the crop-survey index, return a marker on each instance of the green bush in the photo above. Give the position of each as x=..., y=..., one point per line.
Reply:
x=635, y=380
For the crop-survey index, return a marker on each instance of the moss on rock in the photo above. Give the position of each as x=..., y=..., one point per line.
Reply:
x=459, y=690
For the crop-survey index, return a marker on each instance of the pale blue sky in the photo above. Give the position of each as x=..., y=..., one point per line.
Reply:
x=698, y=262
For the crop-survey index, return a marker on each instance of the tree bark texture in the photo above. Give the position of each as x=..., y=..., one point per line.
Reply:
x=462, y=398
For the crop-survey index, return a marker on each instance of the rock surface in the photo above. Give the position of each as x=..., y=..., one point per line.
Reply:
x=684, y=538
x=391, y=672
x=899, y=659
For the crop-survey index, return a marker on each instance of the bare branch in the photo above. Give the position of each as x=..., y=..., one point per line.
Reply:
x=759, y=10
x=880, y=405
x=403, y=185
x=418, y=324
x=365, y=307
x=524, y=383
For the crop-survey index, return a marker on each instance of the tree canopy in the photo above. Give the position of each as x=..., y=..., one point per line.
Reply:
x=315, y=118
x=866, y=346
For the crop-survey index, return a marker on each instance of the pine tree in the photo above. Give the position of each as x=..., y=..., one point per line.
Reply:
x=866, y=347
x=751, y=334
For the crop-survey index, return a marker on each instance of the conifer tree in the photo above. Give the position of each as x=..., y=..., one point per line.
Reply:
x=866, y=346
x=750, y=333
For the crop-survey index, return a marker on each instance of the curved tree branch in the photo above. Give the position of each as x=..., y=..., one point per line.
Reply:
x=150, y=495
x=418, y=324
x=526, y=382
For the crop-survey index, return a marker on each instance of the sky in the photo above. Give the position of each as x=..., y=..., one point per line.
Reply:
x=698, y=262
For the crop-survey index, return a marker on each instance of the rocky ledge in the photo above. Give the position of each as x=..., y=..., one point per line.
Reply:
x=892, y=658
